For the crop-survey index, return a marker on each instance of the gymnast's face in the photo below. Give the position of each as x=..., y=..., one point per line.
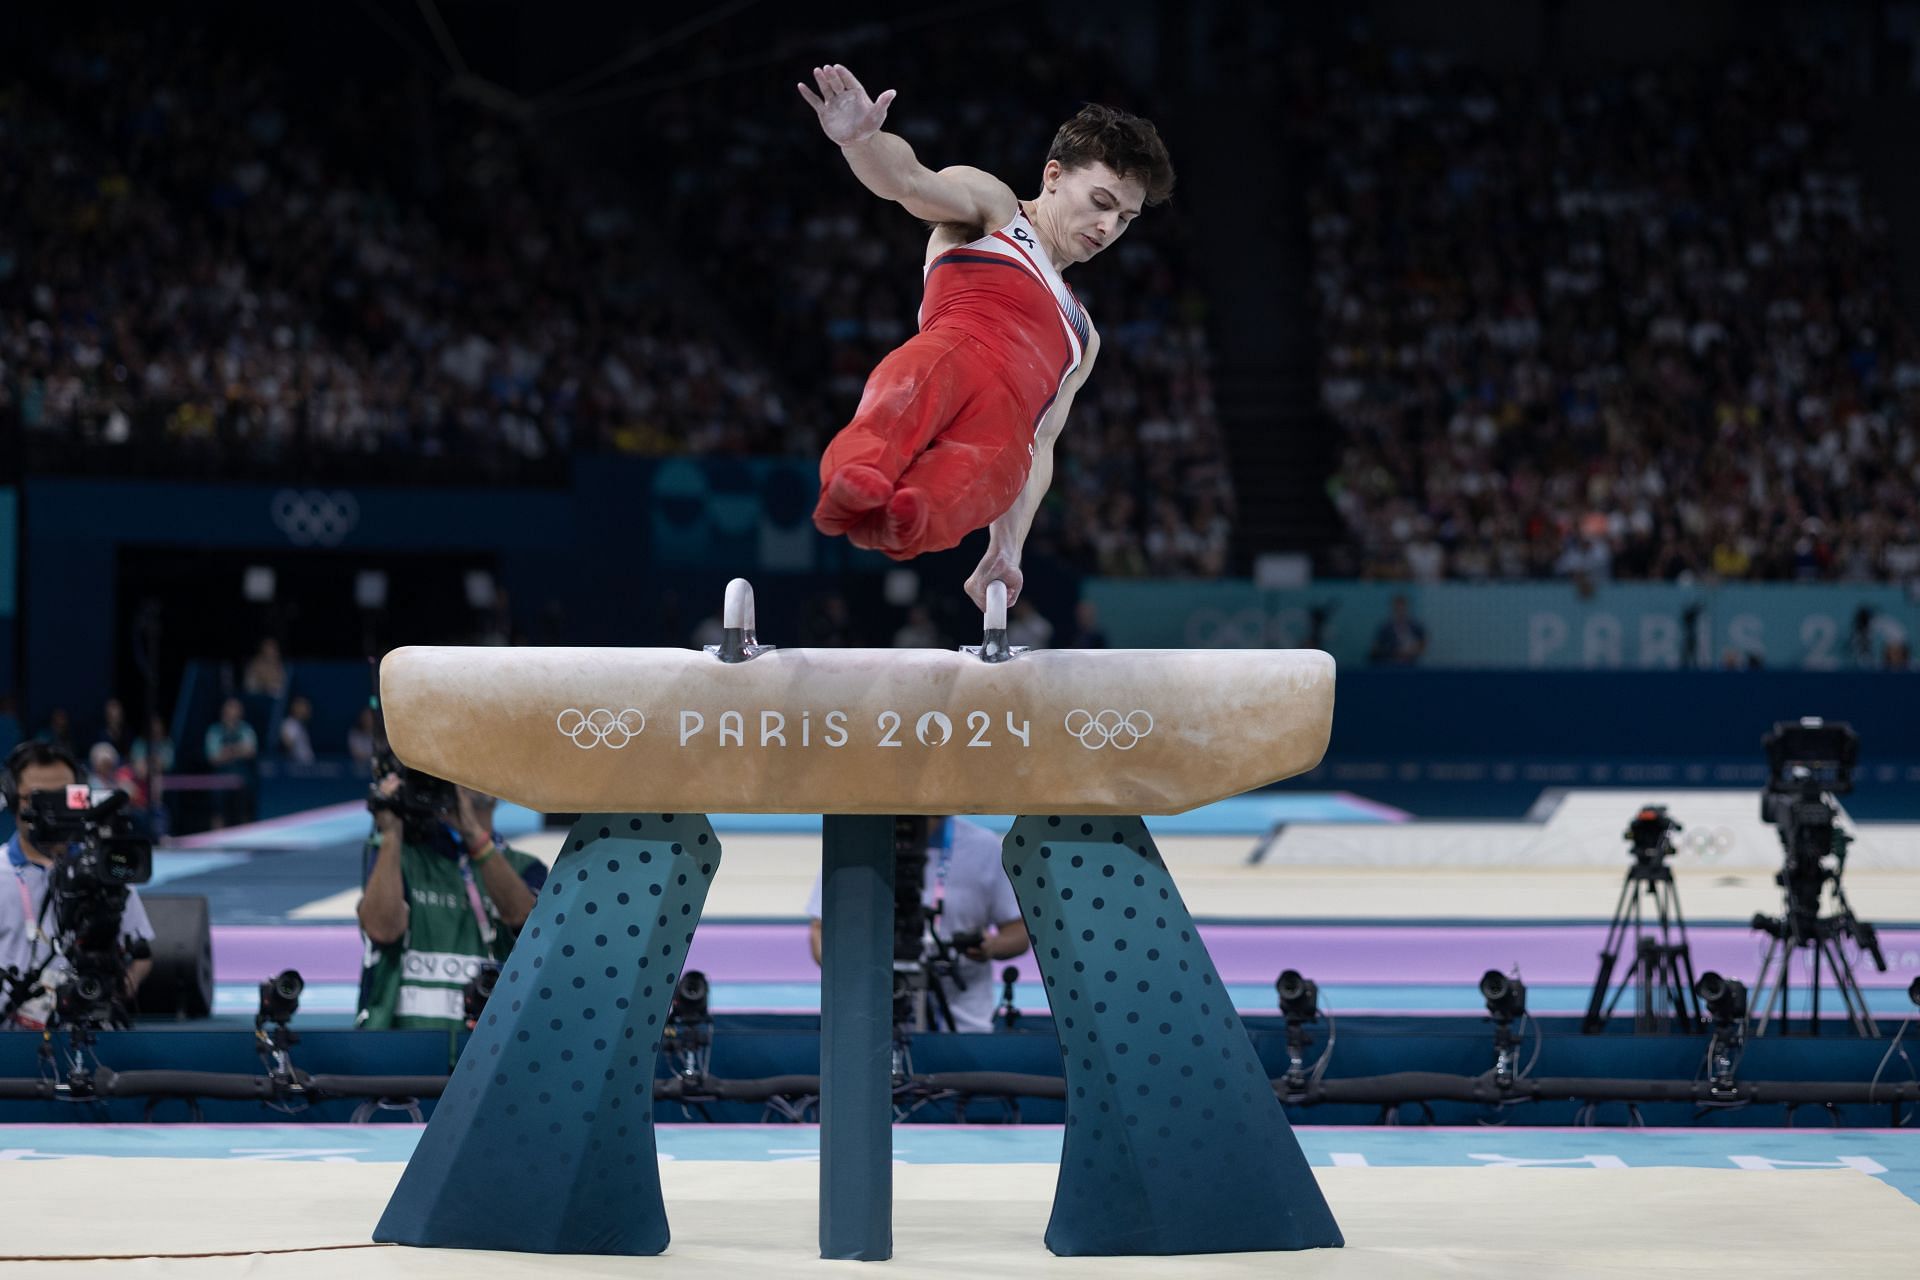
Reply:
x=1092, y=207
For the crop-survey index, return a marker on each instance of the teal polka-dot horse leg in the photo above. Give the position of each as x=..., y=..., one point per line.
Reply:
x=1175, y=1142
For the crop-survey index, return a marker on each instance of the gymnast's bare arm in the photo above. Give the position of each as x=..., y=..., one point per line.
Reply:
x=886, y=164
x=1007, y=535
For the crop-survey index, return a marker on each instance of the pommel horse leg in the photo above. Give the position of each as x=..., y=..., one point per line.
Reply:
x=1175, y=1142
x=543, y=1140
x=856, y=1038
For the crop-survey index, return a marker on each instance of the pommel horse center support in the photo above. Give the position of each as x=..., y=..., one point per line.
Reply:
x=543, y=1140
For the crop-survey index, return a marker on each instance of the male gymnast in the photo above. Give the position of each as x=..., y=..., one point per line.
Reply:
x=955, y=428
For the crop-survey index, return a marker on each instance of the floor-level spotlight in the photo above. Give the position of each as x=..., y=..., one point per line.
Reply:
x=688, y=1036
x=1300, y=1004
x=479, y=989
x=1506, y=999
x=1299, y=997
x=1726, y=1004
x=273, y=1038
x=1725, y=998
x=279, y=997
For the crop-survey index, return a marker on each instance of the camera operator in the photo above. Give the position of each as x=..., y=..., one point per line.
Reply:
x=30, y=944
x=971, y=905
x=444, y=896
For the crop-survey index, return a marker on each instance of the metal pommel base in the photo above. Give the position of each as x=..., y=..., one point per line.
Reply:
x=543, y=1140
x=1175, y=1142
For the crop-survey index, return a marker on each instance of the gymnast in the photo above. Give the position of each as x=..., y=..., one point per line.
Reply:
x=955, y=429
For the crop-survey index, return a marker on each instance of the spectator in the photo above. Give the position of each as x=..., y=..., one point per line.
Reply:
x=232, y=747
x=1027, y=627
x=1086, y=627
x=1401, y=640
x=296, y=741
x=363, y=740
x=918, y=631
x=828, y=623
x=58, y=731
x=157, y=744
x=114, y=728
x=104, y=770
x=266, y=674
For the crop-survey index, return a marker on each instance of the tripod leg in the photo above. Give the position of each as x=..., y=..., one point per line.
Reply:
x=1819, y=946
x=1762, y=996
x=1691, y=1000
x=1851, y=994
x=1598, y=1008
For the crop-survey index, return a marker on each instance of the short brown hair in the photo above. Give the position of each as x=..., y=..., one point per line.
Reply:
x=1126, y=144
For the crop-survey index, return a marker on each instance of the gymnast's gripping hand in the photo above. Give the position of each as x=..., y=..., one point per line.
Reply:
x=847, y=114
x=995, y=564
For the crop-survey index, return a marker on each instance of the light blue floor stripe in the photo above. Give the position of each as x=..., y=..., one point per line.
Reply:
x=1241, y=815
x=344, y=825
x=169, y=866
x=1893, y=1155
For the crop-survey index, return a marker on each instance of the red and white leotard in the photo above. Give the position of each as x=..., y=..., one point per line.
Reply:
x=948, y=419
x=1003, y=291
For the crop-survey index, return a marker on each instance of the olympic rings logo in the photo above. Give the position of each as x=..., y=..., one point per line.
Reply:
x=600, y=727
x=1097, y=729
x=1708, y=843
x=312, y=518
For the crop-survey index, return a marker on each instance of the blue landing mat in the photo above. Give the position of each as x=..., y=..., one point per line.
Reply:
x=1892, y=1155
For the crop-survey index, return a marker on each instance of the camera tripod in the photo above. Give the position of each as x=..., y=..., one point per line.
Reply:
x=1662, y=972
x=1820, y=935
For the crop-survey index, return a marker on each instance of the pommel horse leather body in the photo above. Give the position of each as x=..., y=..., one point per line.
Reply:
x=543, y=1138
x=876, y=731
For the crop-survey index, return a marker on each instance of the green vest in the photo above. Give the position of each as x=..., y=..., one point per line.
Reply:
x=419, y=982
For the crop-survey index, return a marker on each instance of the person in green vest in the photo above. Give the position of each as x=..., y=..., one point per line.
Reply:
x=444, y=897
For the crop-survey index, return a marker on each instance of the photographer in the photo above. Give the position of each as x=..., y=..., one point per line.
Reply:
x=443, y=897
x=971, y=905
x=30, y=941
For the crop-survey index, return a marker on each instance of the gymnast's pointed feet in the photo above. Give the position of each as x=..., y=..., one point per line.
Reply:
x=848, y=496
x=907, y=514
x=868, y=532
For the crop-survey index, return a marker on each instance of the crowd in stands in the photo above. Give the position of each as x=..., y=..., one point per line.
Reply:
x=201, y=264
x=1636, y=325
x=195, y=260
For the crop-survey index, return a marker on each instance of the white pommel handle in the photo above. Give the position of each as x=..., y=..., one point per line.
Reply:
x=737, y=612
x=996, y=605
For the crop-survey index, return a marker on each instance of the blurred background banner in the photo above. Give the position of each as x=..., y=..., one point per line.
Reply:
x=1634, y=626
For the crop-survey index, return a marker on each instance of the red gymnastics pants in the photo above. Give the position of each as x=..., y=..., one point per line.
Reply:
x=940, y=446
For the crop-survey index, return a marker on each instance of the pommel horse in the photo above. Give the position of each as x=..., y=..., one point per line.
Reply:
x=543, y=1139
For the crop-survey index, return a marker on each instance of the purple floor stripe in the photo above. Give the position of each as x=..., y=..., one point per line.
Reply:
x=1376, y=954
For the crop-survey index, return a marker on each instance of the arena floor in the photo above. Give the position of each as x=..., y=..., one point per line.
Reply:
x=1342, y=889
x=256, y=1201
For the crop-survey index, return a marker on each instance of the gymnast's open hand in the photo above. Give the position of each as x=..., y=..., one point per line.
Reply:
x=847, y=114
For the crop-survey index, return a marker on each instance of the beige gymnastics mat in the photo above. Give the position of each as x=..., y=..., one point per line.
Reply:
x=288, y=1221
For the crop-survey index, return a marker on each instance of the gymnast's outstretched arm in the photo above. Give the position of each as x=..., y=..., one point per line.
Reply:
x=886, y=164
x=1007, y=535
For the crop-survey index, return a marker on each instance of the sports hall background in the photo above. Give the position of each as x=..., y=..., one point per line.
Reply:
x=1555, y=366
